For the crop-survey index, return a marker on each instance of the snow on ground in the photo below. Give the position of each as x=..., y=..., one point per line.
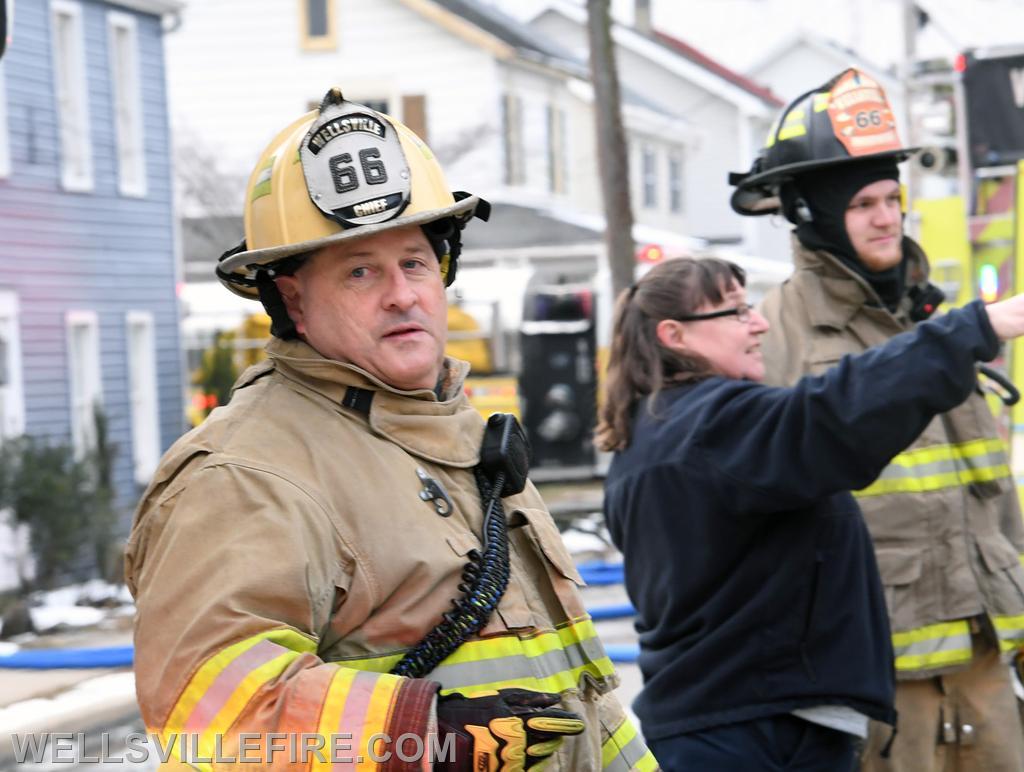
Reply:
x=92, y=592
x=49, y=617
x=79, y=605
x=580, y=543
x=83, y=699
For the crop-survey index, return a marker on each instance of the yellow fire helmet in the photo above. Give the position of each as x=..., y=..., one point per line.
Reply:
x=341, y=172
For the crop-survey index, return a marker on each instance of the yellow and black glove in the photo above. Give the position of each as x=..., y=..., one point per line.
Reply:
x=506, y=731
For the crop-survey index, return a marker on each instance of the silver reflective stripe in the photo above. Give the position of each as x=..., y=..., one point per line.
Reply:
x=629, y=756
x=1010, y=630
x=944, y=466
x=618, y=764
x=546, y=665
x=947, y=643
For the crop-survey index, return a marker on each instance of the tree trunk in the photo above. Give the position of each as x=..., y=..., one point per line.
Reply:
x=612, y=158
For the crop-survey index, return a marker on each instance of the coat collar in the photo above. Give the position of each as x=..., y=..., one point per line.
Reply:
x=843, y=293
x=446, y=431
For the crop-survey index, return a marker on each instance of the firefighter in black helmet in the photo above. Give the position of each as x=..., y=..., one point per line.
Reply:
x=944, y=515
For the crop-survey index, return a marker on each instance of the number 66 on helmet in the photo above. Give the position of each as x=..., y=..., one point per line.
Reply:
x=342, y=172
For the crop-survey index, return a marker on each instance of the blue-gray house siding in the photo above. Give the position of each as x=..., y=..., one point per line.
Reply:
x=95, y=251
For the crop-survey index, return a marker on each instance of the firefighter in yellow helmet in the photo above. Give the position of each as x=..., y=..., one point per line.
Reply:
x=344, y=560
x=944, y=515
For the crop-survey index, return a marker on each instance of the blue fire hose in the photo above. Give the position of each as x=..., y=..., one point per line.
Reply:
x=601, y=574
x=596, y=574
x=53, y=659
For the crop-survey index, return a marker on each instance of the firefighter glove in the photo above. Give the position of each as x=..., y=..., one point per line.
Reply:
x=505, y=731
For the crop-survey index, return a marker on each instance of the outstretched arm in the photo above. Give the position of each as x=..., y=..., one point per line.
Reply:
x=784, y=448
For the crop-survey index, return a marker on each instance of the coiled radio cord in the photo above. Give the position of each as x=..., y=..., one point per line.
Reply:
x=485, y=577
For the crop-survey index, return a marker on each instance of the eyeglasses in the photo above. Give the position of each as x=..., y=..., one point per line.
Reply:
x=741, y=312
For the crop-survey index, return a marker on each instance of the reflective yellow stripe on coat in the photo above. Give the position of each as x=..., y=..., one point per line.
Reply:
x=625, y=751
x=548, y=662
x=932, y=646
x=361, y=693
x=949, y=643
x=355, y=704
x=941, y=466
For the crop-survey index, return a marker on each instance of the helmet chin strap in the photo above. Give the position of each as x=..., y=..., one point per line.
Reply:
x=446, y=241
x=281, y=325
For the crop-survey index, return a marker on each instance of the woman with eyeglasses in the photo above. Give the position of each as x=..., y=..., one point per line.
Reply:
x=764, y=640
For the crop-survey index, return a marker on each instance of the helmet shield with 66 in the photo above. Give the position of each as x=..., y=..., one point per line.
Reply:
x=354, y=165
x=342, y=172
x=844, y=121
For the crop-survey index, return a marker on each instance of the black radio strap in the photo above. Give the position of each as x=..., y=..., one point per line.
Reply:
x=501, y=472
x=358, y=399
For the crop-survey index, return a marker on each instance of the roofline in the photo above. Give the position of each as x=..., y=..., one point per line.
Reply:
x=462, y=28
x=641, y=119
x=475, y=35
x=155, y=7
x=830, y=47
x=700, y=58
x=705, y=71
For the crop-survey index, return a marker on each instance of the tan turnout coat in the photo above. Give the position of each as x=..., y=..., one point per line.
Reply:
x=944, y=515
x=282, y=560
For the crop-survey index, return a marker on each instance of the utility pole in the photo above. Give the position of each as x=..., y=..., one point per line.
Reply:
x=612, y=159
x=913, y=176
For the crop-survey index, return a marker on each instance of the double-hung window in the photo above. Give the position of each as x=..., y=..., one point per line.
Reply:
x=72, y=103
x=649, y=176
x=123, y=45
x=557, y=150
x=316, y=18
x=12, y=396
x=83, y=336
x=675, y=182
x=5, y=143
x=142, y=390
x=512, y=135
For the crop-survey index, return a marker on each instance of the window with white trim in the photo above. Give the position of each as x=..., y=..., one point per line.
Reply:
x=84, y=368
x=557, y=150
x=12, y=394
x=5, y=143
x=70, y=88
x=649, y=176
x=675, y=182
x=317, y=20
x=123, y=42
x=142, y=389
x=512, y=135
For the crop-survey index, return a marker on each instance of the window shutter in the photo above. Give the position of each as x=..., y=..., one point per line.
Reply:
x=414, y=114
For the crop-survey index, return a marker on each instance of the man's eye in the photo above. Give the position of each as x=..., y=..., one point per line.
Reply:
x=414, y=263
x=358, y=273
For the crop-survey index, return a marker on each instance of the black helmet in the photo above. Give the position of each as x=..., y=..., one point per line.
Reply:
x=847, y=119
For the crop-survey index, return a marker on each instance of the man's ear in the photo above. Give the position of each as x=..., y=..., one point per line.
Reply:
x=291, y=294
x=670, y=334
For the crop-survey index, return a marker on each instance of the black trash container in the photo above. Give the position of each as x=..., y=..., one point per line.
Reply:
x=558, y=378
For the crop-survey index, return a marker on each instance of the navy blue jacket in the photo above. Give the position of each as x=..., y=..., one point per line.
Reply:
x=747, y=558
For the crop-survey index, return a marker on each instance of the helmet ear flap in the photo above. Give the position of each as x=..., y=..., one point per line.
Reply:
x=793, y=204
x=446, y=240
